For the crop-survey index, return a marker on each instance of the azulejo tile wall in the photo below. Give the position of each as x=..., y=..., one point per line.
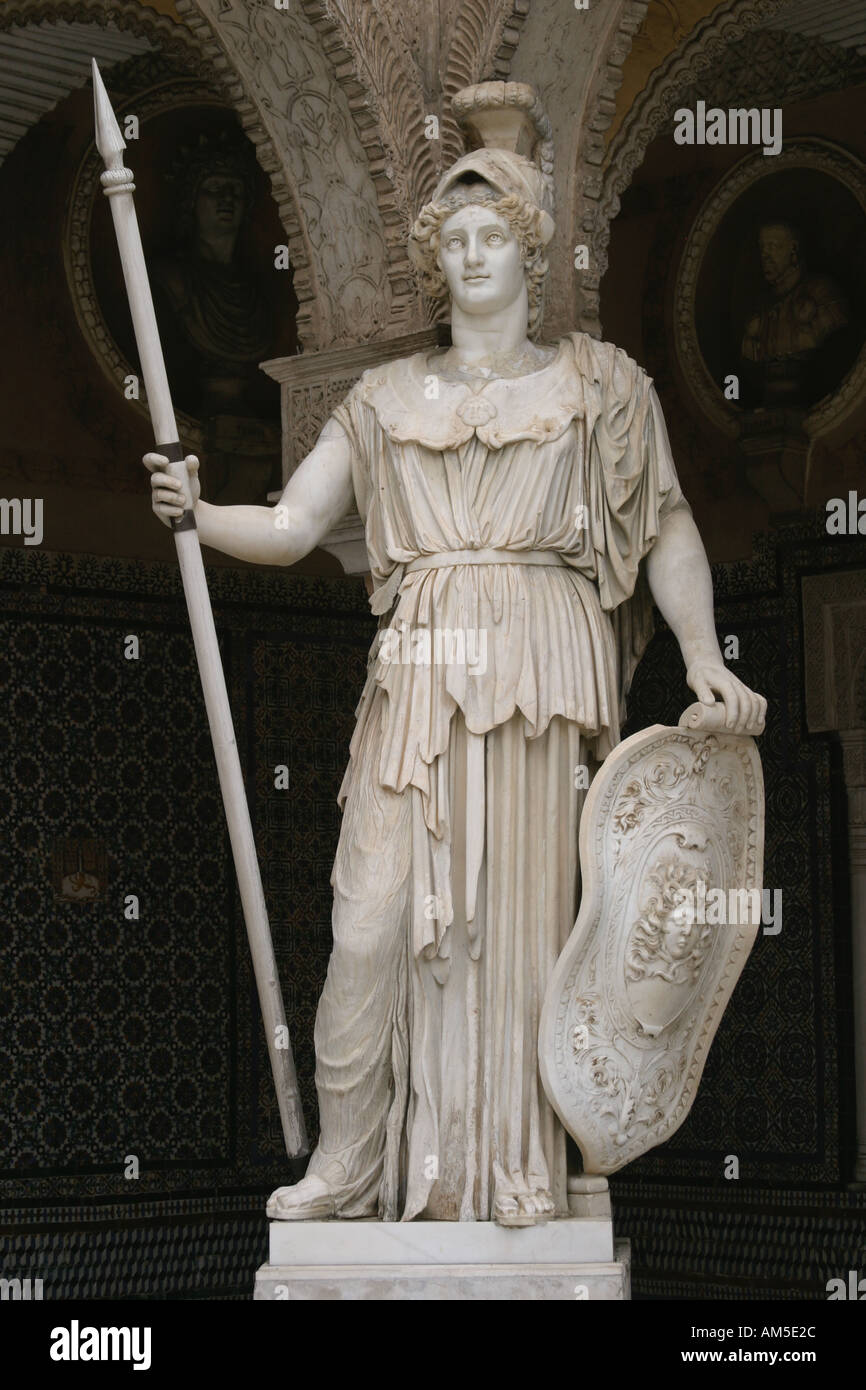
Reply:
x=142, y=1037
x=777, y=1091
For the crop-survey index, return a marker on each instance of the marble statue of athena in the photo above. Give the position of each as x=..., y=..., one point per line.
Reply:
x=510, y=491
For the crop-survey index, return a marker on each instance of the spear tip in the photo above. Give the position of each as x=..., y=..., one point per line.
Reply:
x=109, y=140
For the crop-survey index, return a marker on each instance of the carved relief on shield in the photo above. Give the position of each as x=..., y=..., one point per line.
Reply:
x=671, y=848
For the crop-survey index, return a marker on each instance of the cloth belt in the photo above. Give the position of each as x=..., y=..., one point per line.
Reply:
x=490, y=556
x=382, y=599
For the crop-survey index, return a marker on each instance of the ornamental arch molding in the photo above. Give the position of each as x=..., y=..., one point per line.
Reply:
x=398, y=69
x=579, y=56
x=351, y=84
x=297, y=116
x=698, y=53
x=279, y=80
x=481, y=44
x=371, y=62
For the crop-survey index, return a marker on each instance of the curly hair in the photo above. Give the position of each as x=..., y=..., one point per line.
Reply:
x=675, y=886
x=522, y=217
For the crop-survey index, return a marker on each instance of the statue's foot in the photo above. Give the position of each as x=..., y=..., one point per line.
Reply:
x=507, y=1211
x=311, y=1199
x=517, y=1207
x=545, y=1203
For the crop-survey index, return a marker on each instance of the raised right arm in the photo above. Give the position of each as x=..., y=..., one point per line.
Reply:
x=318, y=494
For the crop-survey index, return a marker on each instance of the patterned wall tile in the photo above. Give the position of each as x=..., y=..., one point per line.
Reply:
x=144, y=1036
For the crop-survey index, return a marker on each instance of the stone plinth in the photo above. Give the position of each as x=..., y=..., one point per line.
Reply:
x=572, y=1259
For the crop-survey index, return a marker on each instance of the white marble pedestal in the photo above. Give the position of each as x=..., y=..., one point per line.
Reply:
x=572, y=1259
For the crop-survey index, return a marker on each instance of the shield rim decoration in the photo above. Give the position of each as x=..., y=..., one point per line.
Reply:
x=599, y=1090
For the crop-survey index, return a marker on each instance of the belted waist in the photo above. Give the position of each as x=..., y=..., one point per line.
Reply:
x=382, y=599
x=488, y=556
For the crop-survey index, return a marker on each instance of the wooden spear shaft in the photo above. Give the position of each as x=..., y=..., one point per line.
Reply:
x=119, y=187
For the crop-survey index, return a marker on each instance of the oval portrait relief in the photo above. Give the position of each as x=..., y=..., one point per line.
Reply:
x=772, y=286
x=210, y=231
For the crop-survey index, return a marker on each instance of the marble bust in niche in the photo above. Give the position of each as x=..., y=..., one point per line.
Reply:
x=806, y=310
x=213, y=303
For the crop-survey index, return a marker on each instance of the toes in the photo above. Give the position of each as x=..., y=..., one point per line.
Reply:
x=537, y=1204
x=522, y=1206
x=286, y=1197
x=506, y=1209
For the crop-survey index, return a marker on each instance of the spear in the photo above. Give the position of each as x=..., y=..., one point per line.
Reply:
x=118, y=186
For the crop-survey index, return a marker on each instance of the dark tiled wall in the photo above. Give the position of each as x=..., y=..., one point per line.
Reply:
x=143, y=1037
x=777, y=1090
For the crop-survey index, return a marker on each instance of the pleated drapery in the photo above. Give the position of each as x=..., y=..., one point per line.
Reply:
x=456, y=877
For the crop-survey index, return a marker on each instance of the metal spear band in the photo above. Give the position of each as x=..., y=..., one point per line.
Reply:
x=118, y=186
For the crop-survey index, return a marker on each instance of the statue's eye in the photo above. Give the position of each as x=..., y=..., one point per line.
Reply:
x=495, y=238
x=453, y=243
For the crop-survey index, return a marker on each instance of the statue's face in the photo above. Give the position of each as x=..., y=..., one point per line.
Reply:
x=480, y=259
x=219, y=204
x=778, y=252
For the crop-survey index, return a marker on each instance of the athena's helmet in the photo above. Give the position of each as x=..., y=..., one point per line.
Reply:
x=509, y=165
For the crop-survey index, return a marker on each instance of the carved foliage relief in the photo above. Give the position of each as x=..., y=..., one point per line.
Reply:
x=284, y=71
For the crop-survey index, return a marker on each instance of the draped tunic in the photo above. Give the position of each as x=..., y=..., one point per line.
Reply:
x=573, y=460
x=456, y=875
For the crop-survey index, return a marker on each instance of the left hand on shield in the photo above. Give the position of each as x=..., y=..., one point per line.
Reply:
x=744, y=709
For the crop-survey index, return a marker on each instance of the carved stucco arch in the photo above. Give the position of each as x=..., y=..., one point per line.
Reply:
x=280, y=81
x=377, y=66
x=481, y=46
x=182, y=42
x=698, y=52
x=574, y=59
x=588, y=181
x=126, y=14
x=387, y=106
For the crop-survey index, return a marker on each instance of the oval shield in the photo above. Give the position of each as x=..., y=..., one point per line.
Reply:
x=671, y=854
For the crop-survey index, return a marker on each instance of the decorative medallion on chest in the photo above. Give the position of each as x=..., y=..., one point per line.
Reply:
x=477, y=411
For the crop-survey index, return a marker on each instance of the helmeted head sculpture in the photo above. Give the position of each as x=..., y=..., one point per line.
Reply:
x=213, y=182
x=510, y=173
